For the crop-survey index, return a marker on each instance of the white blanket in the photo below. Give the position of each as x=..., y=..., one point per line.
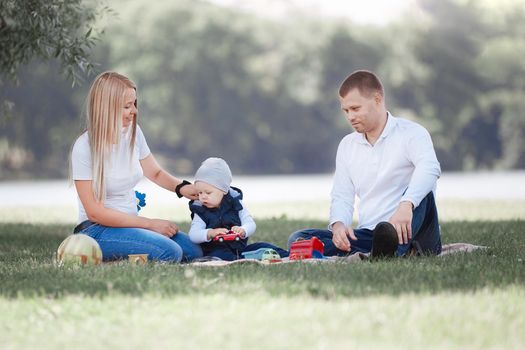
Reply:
x=447, y=249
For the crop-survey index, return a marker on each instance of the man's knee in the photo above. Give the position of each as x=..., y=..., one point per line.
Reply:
x=293, y=237
x=301, y=234
x=323, y=235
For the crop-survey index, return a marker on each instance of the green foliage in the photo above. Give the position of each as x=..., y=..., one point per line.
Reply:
x=468, y=71
x=262, y=93
x=214, y=86
x=57, y=29
x=41, y=129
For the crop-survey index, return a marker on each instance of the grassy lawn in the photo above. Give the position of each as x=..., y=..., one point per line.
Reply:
x=473, y=301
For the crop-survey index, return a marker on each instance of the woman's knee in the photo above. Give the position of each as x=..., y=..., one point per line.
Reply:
x=119, y=242
x=169, y=252
x=159, y=247
x=190, y=250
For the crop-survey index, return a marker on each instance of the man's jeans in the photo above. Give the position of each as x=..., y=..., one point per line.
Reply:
x=425, y=234
x=118, y=242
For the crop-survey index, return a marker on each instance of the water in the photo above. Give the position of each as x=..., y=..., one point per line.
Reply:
x=282, y=188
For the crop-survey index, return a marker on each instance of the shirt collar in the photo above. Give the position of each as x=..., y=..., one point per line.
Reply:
x=390, y=124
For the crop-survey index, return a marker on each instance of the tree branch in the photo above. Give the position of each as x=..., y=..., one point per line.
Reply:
x=3, y=23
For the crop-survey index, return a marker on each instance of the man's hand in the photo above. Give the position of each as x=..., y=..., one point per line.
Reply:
x=340, y=236
x=239, y=230
x=216, y=231
x=189, y=191
x=402, y=221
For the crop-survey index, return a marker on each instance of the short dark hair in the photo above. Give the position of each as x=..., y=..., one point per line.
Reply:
x=364, y=81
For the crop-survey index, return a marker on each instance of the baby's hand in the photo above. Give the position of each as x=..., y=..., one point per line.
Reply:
x=216, y=231
x=239, y=230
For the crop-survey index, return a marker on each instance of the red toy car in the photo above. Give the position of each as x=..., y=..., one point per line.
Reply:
x=230, y=236
x=306, y=249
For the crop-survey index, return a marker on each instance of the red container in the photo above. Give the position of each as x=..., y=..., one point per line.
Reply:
x=304, y=249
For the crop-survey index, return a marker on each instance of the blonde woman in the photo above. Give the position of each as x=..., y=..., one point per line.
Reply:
x=107, y=161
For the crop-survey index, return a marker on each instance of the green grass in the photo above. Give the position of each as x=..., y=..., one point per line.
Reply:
x=474, y=300
x=27, y=268
x=482, y=320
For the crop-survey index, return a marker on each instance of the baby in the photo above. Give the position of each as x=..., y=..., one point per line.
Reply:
x=218, y=211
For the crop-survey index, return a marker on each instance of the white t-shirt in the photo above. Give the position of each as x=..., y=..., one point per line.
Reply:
x=122, y=175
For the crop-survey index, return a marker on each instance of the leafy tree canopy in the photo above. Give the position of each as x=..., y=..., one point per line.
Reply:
x=60, y=29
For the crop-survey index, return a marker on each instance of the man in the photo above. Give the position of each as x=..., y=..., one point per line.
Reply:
x=390, y=164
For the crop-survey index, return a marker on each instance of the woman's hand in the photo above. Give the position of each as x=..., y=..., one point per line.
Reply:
x=164, y=227
x=189, y=191
x=239, y=230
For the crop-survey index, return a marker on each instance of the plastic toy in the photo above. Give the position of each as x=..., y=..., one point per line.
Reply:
x=307, y=249
x=263, y=254
x=141, y=200
x=230, y=236
x=79, y=249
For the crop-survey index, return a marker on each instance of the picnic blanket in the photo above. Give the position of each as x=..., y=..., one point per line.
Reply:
x=454, y=248
x=447, y=249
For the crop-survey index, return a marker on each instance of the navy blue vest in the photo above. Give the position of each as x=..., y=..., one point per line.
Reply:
x=225, y=216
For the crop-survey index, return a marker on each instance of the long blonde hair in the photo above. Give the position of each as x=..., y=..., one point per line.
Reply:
x=104, y=108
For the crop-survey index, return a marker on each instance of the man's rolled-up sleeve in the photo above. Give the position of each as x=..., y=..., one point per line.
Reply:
x=427, y=170
x=343, y=191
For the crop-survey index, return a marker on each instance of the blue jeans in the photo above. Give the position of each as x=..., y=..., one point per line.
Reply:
x=425, y=234
x=118, y=242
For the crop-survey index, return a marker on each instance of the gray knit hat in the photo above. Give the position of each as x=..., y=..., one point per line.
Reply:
x=216, y=172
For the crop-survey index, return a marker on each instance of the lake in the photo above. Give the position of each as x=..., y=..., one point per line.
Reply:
x=272, y=188
x=460, y=196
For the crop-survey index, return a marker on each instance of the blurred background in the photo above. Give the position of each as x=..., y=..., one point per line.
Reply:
x=255, y=82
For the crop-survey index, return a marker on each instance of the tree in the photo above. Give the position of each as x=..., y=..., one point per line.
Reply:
x=262, y=93
x=60, y=29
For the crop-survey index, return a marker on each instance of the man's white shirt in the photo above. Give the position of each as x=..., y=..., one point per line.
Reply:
x=401, y=166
